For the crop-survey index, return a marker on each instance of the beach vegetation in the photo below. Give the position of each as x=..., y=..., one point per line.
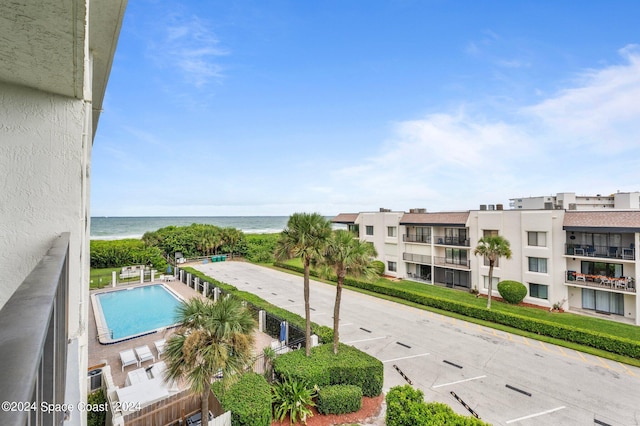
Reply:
x=213, y=340
x=305, y=236
x=119, y=253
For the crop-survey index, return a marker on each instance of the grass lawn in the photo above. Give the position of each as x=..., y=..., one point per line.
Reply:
x=101, y=277
x=574, y=320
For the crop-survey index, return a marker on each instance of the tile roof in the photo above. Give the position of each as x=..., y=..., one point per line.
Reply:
x=602, y=219
x=435, y=219
x=345, y=218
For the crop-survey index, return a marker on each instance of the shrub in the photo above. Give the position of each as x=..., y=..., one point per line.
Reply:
x=339, y=399
x=96, y=418
x=249, y=400
x=378, y=265
x=406, y=407
x=323, y=368
x=324, y=333
x=512, y=291
x=293, y=397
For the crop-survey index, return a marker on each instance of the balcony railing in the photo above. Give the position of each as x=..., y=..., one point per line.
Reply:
x=417, y=258
x=33, y=343
x=601, y=281
x=444, y=261
x=440, y=261
x=605, y=252
x=451, y=241
x=414, y=238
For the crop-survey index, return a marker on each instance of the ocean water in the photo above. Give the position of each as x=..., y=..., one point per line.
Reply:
x=113, y=228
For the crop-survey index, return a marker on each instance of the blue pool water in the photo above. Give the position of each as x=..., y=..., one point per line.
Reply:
x=139, y=310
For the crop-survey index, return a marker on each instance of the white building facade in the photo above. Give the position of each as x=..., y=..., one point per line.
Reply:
x=56, y=58
x=584, y=260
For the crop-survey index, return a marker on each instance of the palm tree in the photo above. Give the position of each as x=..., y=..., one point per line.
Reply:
x=492, y=247
x=305, y=236
x=346, y=254
x=212, y=339
x=231, y=237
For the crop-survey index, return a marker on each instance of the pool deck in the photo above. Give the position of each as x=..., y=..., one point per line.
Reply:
x=100, y=354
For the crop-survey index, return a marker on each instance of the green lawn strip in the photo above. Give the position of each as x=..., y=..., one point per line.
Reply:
x=573, y=320
x=96, y=274
x=507, y=329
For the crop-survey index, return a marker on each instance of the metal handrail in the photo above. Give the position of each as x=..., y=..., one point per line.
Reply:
x=33, y=340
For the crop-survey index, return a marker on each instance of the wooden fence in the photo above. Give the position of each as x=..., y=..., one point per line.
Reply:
x=180, y=406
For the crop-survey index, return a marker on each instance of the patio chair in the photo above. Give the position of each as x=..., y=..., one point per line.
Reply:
x=144, y=354
x=128, y=357
x=160, y=344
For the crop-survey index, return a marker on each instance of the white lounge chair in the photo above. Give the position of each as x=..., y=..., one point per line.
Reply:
x=160, y=344
x=144, y=354
x=128, y=357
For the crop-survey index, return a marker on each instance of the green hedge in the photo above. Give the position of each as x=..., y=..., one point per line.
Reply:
x=96, y=418
x=606, y=342
x=323, y=368
x=512, y=291
x=339, y=399
x=249, y=400
x=406, y=407
x=324, y=333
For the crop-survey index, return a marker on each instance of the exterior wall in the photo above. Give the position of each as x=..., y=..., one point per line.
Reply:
x=387, y=247
x=514, y=225
x=44, y=158
x=627, y=200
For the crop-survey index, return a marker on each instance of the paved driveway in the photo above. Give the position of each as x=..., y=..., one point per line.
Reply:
x=505, y=378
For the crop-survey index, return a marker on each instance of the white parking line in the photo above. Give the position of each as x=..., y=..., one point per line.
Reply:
x=459, y=381
x=406, y=357
x=535, y=415
x=364, y=340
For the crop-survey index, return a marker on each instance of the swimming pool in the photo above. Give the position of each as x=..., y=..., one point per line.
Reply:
x=133, y=312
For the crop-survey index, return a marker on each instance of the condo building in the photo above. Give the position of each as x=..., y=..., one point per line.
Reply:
x=55, y=60
x=583, y=258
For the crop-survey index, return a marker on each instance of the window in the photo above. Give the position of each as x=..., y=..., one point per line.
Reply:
x=456, y=256
x=490, y=233
x=538, y=291
x=538, y=264
x=392, y=231
x=614, y=270
x=392, y=266
x=537, y=239
x=496, y=280
x=369, y=230
x=603, y=301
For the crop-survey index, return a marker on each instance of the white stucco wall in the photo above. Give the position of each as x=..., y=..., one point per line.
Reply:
x=44, y=160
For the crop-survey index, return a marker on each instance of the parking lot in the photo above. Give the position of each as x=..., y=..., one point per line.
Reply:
x=505, y=378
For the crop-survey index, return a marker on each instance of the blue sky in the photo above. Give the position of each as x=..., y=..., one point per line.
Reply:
x=220, y=108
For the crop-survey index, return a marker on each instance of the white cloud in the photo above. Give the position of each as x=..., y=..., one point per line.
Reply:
x=602, y=108
x=189, y=44
x=461, y=159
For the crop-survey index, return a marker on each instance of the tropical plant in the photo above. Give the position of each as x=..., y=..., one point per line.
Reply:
x=378, y=266
x=212, y=339
x=305, y=236
x=492, y=247
x=344, y=255
x=268, y=355
x=293, y=397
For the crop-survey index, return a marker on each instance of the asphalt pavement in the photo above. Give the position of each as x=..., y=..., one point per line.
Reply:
x=505, y=378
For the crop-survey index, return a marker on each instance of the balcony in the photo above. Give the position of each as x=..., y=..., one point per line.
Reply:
x=34, y=344
x=414, y=238
x=603, y=252
x=439, y=261
x=451, y=241
x=624, y=284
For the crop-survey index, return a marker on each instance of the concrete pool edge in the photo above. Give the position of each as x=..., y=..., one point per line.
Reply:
x=101, y=323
